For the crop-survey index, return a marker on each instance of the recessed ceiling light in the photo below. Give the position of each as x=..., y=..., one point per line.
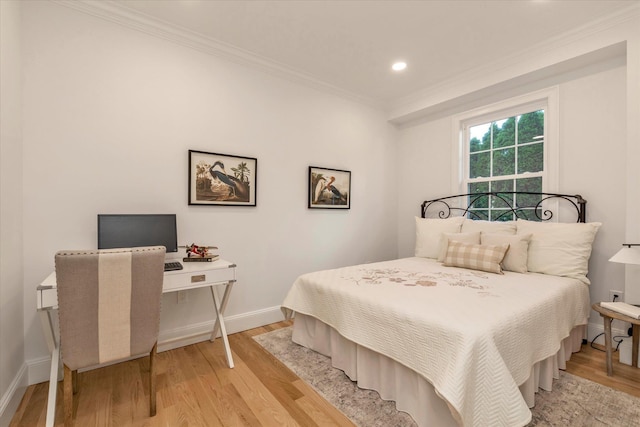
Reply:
x=399, y=66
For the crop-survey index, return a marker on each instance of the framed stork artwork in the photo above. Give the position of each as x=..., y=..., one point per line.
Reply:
x=329, y=188
x=222, y=179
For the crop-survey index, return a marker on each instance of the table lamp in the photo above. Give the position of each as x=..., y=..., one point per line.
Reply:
x=629, y=254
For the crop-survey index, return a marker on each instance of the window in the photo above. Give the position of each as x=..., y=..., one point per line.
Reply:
x=508, y=147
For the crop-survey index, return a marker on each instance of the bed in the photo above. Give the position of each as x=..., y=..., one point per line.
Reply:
x=488, y=310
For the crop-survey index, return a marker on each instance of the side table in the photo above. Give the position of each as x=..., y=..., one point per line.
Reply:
x=608, y=316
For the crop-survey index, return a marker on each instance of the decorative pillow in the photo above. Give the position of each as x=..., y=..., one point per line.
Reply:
x=473, y=237
x=476, y=257
x=501, y=227
x=429, y=231
x=516, y=257
x=559, y=249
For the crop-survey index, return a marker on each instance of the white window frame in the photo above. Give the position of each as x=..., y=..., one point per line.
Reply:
x=546, y=99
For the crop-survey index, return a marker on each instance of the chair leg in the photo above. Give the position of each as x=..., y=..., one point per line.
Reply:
x=68, y=397
x=152, y=380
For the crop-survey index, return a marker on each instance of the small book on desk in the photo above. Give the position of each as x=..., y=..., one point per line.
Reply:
x=210, y=258
x=622, y=308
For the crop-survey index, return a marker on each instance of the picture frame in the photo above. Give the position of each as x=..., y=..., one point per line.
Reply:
x=329, y=188
x=222, y=179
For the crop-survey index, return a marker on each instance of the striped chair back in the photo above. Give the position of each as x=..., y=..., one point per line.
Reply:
x=109, y=303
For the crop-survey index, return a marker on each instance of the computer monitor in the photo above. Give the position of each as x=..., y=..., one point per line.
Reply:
x=133, y=230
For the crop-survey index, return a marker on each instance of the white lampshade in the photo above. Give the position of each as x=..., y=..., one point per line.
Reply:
x=627, y=255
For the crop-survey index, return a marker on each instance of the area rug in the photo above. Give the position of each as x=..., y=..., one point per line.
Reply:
x=574, y=401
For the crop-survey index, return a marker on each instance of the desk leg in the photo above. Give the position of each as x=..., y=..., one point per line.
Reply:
x=52, y=343
x=53, y=388
x=608, y=344
x=635, y=341
x=220, y=308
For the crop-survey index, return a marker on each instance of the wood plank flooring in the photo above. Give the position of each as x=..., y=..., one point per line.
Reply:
x=197, y=388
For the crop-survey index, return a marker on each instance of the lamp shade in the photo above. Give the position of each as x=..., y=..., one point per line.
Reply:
x=627, y=255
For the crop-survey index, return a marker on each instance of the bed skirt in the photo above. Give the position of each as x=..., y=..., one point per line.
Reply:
x=411, y=392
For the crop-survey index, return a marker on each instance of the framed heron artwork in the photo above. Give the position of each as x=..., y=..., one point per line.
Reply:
x=222, y=179
x=329, y=188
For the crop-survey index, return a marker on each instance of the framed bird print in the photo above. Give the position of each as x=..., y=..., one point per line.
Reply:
x=222, y=179
x=329, y=188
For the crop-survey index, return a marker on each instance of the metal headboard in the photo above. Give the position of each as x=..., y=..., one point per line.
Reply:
x=504, y=205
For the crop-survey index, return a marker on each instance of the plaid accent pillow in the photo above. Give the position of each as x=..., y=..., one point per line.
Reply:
x=472, y=237
x=516, y=257
x=476, y=257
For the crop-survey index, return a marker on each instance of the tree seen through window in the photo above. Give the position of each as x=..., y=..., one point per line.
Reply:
x=507, y=155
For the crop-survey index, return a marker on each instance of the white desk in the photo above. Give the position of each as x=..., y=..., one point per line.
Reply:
x=215, y=274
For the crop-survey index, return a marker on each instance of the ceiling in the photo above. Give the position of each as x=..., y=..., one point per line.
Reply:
x=351, y=45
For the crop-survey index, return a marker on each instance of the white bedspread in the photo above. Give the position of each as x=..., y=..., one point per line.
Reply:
x=473, y=335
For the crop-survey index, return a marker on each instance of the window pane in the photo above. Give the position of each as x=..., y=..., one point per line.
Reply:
x=478, y=214
x=480, y=165
x=482, y=202
x=501, y=215
x=498, y=186
x=475, y=145
x=502, y=185
x=531, y=158
x=504, y=162
x=478, y=187
x=530, y=214
x=479, y=138
x=529, y=184
x=531, y=127
x=504, y=133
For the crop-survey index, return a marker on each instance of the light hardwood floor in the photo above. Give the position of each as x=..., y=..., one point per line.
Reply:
x=197, y=388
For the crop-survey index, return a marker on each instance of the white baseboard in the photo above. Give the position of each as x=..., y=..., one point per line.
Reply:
x=10, y=400
x=191, y=334
x=39, y=368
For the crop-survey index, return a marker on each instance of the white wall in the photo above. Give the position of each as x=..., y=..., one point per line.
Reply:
x=109, y=116
x=592, y=163
x=12, y=366
x=424, y=153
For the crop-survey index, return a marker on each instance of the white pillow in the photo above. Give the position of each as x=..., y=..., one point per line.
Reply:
x=502, y=227
x=559, y=249
x=516, y=257
x=473, y=237
x=429, y=231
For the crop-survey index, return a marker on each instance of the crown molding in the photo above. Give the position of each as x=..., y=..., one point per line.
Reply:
x=401, y=106
x=397, y=108
x=127, y=17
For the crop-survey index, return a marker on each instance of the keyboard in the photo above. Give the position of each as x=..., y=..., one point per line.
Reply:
x=172, y=266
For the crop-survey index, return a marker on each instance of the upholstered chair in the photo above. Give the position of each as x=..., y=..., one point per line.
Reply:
x=109, y=310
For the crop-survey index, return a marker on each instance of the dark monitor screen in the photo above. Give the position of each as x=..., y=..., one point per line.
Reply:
x=131, y=230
